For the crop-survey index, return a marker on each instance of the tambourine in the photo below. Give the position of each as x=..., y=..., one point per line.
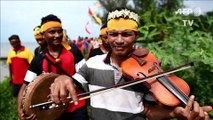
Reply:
x=37, y=92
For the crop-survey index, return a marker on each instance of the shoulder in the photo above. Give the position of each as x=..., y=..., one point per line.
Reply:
x=96, y=61
x=141, y=52
x=97, y=58
x=10, y=51
x=76, y=53
x=38, y=58
x=36, y=63
x=27, y=50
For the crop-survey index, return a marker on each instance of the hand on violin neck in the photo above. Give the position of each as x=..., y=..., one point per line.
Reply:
x=192, y=111
x=61, y=87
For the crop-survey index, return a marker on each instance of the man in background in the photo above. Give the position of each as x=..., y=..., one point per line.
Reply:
x=103, y=47
x=18, y=59
x=39, y=39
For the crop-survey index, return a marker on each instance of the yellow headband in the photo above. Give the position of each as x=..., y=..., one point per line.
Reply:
x=49, y=25
x=37, y=33
x=103, y=31
x=38, y=36
x=122, y=23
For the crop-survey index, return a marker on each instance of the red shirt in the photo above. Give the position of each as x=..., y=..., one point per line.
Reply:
x=19, y=62
x=66, y=59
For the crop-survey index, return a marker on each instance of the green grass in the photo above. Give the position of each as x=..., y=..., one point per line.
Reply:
x=8, y=107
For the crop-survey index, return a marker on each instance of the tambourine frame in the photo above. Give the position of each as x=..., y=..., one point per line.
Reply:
x=37, y=92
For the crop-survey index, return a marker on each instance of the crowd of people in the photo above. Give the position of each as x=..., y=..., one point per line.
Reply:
x=95, y=63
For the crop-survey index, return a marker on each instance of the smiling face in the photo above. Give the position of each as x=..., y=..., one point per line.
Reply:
x=121, y=41
x=53, y=36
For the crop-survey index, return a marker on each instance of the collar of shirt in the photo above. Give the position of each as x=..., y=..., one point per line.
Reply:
x=116, y=70
x=21, y=48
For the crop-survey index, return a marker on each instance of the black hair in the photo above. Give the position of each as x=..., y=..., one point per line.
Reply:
x=48, y=18
x=14, y=37
x=103, y=26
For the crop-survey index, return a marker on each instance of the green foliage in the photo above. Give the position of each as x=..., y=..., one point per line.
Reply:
x=163, y=32
x=142, y=6
x=175, y=44
x=8, y=107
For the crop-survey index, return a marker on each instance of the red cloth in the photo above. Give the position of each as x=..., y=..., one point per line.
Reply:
x=67, y=64
x=19, y=69
x=19, y=62
x=89, y=11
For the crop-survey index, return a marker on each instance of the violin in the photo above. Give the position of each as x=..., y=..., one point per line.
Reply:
x=137, y=67
x=169, y=90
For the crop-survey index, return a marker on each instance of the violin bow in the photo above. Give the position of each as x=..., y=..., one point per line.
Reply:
x=117, y=86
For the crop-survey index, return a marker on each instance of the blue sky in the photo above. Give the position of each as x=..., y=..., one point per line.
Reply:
x=20, y=17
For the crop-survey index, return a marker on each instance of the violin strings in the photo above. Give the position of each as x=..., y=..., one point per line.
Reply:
x=120, y=86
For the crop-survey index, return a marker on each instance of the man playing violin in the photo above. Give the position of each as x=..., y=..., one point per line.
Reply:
x=102, y=71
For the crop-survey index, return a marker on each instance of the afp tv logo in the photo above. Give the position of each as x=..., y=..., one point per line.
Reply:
x=196, y=12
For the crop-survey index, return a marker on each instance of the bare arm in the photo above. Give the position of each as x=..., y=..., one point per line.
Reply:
x=64, y=84
x=10, y=73
x=159, y=112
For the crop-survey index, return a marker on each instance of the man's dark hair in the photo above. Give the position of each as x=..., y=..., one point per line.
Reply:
x=14, y=37
x=103, y=26
x=48, y=18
